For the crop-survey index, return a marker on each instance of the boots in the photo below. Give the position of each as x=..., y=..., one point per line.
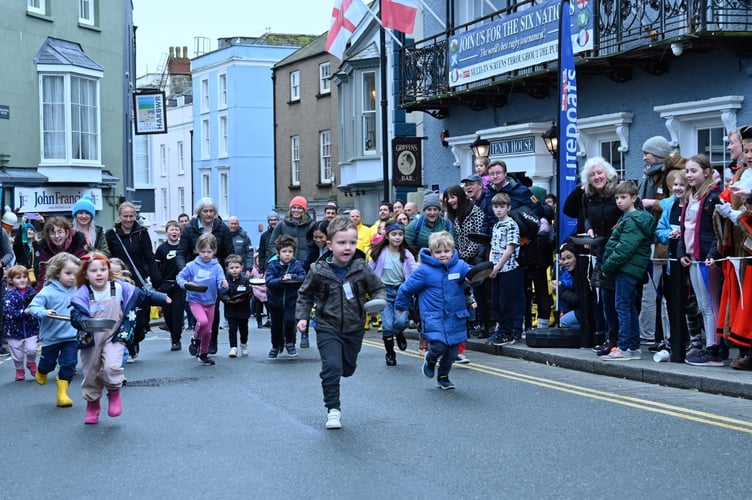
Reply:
x=92, y=412
x=32, y=366
x=41, y=378
x=391, y=356
x=63, y=400
x=115, y=408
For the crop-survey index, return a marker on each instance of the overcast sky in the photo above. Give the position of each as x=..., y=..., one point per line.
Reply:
x=165, y=23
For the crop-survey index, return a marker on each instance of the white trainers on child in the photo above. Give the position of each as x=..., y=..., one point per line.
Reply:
x=233, y=352
x=244, y=349
x=334, y=419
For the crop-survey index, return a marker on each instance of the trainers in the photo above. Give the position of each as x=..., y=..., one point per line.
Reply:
x=663, y=345
x=617, y=354
x=304, y=343
x=244, y=350
x=132, y=358
x=707, y=357
x=334, y=419
x=176, y=346
x=462, y=359
x=233, y=352
x=401, y=340
x=291, y=350
x=194, y=347
x=429, y=367
x=391, y=359
x=444, y=383
x=499, y=340
x=205, y=360
x=272, y=354
x=20, y=374
x=605, y=349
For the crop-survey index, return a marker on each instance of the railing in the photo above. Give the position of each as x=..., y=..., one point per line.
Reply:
x=622, y=26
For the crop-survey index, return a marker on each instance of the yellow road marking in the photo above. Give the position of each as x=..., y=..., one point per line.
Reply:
x=638, y=403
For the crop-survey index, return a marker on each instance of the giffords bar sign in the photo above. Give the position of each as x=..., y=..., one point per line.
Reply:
x=53, y=199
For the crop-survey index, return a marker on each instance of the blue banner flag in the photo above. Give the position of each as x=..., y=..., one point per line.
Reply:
x=567, y=174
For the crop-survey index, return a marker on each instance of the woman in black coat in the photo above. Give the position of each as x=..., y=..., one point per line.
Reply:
x=130, y=242
x=206, y=220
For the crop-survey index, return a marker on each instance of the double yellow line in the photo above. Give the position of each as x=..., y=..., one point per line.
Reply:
x=638, y=403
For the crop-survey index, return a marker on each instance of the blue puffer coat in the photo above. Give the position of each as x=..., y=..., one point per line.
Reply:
x=441, y=296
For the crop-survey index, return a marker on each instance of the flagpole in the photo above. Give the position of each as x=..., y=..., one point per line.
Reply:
x=385, y=149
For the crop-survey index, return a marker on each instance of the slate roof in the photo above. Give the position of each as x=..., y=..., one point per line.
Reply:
x=55, y=51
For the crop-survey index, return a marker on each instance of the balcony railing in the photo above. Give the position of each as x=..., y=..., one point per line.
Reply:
x=622, y=27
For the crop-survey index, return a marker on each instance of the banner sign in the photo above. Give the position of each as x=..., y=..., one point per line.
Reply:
x=52, y=199
x=150, y=113
x=407, y=161
x=567, y=167
x=516, y=41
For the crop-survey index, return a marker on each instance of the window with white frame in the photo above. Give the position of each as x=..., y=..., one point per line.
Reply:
x=223, y=90
x=368, y=114
x=223, y=144
x=87, y=11
x=295, y=160
x=205, y=140
x=181, y=158
x=165, y=204
x=205, y=191
x=204, y=96
x=610, y=151
x=325, y=156
x=70, y=118
x=710, y=142
x=325, y=78
x=141, y=161
x=606, y=136
x=163, y=159
x=224, y=192
x=295, y=86
x=37, y=7
x=181, y=200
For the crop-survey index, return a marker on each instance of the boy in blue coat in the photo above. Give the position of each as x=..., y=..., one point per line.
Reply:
x=440, y=285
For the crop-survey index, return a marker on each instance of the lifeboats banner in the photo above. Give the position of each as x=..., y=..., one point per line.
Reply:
x=567, y=178
x=516, y=41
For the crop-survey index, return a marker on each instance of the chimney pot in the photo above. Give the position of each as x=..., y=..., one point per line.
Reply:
x=172, y=51
x=185, y=52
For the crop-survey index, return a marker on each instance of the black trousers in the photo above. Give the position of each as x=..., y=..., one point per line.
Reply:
x=173, y=313
x=339, y=356
x=235, y=324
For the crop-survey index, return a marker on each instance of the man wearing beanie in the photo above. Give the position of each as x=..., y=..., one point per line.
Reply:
x=432, y=221
x=265, y=248
x=297, y=223
x=651, y=190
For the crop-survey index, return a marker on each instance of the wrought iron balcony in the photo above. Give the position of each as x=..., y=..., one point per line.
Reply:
x=627, y=34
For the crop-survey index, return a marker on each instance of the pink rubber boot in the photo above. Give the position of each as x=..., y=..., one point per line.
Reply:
x=115, y=407
x=92, y=412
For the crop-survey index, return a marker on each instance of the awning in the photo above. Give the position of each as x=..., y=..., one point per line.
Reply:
x=16, y=176
x=108, y=179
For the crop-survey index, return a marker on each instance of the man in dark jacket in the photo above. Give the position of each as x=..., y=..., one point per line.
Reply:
x=206, y=220
x=265, y=247
x=241, y=245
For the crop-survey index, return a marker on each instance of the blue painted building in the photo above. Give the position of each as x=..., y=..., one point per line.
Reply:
x=233, y=125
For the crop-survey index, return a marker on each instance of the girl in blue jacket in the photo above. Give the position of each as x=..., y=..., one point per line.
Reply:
x=58, y=337
x=439, y=283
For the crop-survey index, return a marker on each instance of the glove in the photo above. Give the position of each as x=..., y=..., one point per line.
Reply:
x=726, y=211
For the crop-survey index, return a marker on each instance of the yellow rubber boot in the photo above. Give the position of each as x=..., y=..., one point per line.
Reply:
x=41, y=378
x=62, y=394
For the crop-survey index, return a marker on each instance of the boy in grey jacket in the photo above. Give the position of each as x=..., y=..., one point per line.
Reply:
x=337, y=284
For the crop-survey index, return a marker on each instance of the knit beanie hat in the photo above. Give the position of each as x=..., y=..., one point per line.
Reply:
x=85, y=204
x=272, y=215
x=657, y=146
x=299, y=201
x=431, y=200
x=24, y=229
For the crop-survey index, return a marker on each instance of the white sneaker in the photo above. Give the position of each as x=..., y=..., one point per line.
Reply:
x=233, y=352
x=334, y=419
x=244, y=350
x=462, y=359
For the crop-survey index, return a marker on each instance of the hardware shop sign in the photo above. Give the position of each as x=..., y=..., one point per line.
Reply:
x=516, y=41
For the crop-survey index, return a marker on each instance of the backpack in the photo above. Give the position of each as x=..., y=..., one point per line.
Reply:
x=528, y=222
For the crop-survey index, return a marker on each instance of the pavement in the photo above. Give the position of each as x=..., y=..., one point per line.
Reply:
x=715, y=380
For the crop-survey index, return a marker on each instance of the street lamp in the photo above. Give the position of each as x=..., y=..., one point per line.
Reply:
x=551, y=138
x=481, y=148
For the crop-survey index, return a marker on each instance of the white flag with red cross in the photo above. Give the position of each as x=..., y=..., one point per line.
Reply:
x=346, y=14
